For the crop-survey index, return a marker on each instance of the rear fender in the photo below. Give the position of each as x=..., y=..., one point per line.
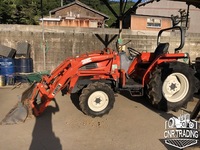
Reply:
x=160, y=59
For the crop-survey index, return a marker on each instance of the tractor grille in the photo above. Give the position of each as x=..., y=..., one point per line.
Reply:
x=89, y=66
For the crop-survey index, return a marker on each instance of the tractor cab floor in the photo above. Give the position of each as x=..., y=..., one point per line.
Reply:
x=130, y=83
x=135, y=89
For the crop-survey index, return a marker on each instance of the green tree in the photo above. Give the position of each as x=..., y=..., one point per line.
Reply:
x=26, y=12
x=50, y=5
x=29, y=11
x=95, y=4
x=68, y=1
x=7, y=8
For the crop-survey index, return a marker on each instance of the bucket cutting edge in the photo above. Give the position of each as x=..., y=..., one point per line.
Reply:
x=22, y=110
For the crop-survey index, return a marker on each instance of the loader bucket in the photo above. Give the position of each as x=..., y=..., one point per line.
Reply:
x=21, y=110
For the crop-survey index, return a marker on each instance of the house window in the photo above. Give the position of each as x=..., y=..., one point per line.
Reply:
x=154, y=22
x=93, y=24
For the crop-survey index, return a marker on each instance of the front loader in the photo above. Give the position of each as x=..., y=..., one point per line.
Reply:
x=168, y=82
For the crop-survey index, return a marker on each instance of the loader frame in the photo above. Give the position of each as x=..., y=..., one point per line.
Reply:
x=102, y=66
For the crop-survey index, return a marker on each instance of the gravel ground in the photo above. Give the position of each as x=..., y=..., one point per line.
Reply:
x=131, y=125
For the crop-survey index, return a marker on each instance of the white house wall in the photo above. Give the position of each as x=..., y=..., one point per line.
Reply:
x=167, y=8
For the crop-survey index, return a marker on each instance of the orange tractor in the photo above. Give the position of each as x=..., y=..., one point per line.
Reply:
x=168, y=82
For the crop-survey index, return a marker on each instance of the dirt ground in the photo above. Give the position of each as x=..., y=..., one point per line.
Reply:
x=131, y=125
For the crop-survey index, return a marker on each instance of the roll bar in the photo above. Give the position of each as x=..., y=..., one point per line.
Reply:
x=182, y=32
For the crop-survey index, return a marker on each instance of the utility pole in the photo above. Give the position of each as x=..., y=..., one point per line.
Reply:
x=43, y=39
x=61, y=3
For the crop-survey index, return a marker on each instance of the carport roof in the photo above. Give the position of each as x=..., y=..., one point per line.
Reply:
x=196, y=3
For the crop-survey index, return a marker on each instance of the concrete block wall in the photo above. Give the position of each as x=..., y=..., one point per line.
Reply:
x=62, y=42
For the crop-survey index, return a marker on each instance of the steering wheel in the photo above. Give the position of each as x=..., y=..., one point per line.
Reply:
x=107, y=50
x=133, y=52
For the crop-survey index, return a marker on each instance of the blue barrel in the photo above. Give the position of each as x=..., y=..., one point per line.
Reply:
x=7, y=66
x=24, y=65
x=10, y=80
x=2, y=81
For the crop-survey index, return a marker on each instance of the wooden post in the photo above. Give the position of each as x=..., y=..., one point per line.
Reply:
x=196, y=110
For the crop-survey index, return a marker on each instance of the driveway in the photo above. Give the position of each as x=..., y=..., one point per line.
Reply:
x=131, y=125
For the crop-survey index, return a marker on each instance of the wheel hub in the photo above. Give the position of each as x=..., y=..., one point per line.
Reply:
x=175, y=87
x=98, y=101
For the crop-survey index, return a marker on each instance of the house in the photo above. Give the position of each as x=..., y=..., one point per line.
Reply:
x=75, y=14
x=159, y=15
x=150, y=22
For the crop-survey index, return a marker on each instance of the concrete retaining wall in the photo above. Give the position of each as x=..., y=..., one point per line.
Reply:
x=62, y=42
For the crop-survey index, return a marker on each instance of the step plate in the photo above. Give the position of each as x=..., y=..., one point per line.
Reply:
x=133, y=87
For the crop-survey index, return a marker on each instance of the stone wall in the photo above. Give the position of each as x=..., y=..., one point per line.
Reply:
x=61, y=42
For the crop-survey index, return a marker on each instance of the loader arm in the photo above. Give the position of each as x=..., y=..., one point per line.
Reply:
x=67, y=75
x=70, y=70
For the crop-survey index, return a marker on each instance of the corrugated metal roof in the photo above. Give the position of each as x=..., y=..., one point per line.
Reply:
x=80, y=4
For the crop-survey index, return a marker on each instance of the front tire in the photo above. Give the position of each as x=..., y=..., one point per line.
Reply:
x=171, y=86
x=96, y=99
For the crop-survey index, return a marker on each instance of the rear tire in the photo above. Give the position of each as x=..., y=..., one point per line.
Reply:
x=96, y=99
x=171, y=86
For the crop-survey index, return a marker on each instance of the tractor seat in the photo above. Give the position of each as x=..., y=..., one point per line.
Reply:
x=162, y=48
